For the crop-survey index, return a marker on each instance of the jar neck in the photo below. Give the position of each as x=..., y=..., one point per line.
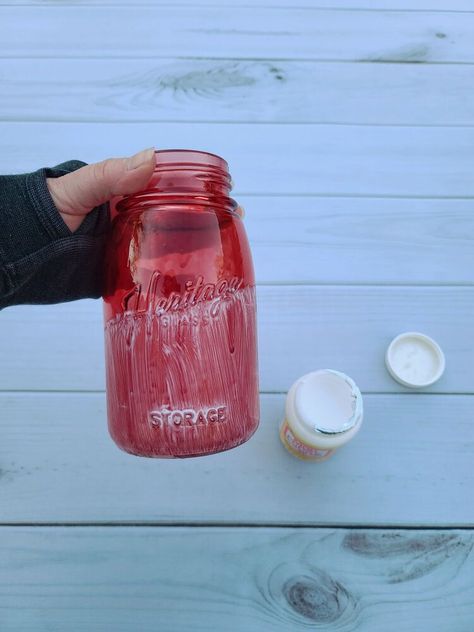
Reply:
x=184, y=176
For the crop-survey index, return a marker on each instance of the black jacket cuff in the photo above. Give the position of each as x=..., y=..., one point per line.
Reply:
x=41, y=260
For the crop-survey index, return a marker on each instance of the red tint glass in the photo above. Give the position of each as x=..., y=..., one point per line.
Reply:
x=180, y=316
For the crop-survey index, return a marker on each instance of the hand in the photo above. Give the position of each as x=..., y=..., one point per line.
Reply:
x=76, y=194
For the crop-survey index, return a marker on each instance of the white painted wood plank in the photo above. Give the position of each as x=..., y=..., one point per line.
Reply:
x=250, y=32
x=263, y=580
x=272, y=159
x=235, y=91
x=411, y=464
x=360, y=240
x=301, y=328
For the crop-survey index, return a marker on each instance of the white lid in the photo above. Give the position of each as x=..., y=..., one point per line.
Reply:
x=415, y=360
x=324, y=408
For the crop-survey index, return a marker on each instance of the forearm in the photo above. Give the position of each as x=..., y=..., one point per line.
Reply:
x=41, y=260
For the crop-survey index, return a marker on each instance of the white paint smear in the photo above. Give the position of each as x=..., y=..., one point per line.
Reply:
x=184, y=383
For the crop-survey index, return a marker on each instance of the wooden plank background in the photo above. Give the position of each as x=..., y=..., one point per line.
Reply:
x=246, y=579
x=348, y=126
x=236, y=91
x=312, y=159
x=244, y=32
x=410, y=465
x=300, y=327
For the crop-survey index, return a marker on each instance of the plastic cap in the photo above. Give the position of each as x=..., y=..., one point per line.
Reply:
x=415, y=360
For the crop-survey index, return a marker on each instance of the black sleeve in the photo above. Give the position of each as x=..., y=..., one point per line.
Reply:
x=41, y=260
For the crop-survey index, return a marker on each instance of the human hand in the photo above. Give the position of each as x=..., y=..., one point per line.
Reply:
x=77, y=193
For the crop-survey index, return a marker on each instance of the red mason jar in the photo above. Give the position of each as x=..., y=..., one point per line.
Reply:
x=180, y=314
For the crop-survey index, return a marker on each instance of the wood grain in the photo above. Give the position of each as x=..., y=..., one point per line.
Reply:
x=232, y=90
x=92, y=78
x=272, y=159
x=250, y=32
x=301, y=328
x=360, y=240
x=411, y=464
x=235, y=579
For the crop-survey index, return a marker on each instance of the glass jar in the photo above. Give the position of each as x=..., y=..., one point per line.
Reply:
x=180, y=314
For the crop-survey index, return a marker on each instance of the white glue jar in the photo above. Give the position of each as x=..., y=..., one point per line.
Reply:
x=323, y=412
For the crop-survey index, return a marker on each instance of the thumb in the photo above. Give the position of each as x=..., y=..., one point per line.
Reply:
x=76, y=194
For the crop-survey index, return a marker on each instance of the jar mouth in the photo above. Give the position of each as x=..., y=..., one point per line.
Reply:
x=191, y=157
x=200, y=171
x=184, y=176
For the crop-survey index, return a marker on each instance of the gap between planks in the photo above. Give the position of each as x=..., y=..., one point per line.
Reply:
x=185, y=5
x=236, y=525
x=247, y=59
x=43, y=391
x=232, y=122
x=249, y=122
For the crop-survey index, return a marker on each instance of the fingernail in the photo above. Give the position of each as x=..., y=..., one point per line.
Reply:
x=143, y=157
